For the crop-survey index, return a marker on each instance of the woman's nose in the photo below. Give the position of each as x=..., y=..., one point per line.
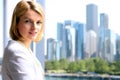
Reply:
x=34, y=25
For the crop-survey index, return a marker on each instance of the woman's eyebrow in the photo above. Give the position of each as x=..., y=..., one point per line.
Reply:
x=26, y=17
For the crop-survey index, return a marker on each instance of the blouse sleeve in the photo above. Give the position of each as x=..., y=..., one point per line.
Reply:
x=20, y=66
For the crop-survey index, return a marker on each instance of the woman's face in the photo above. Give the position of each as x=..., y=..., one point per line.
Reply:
x=29, y=25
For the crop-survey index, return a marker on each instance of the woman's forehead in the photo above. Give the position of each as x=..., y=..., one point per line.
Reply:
x=31, y=14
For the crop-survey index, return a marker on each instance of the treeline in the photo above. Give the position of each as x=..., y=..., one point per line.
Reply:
x=96, y=65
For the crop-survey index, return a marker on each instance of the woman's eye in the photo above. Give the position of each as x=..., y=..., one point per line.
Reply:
x=39, y=22
x=27, y=21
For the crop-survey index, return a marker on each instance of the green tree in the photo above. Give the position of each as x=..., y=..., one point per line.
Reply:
x=112, y=68
x=72, y=67
x=90, y=65
x=48, y=65
x=63, y=64
x=81, y=65
x=117, y=64
x=55, y=65
x=101, y=65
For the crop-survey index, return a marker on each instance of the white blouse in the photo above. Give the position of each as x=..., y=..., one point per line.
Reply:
x=19, y=63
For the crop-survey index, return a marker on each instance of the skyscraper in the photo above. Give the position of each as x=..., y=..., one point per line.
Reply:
x=60, y=31
x=66, y=40
x=80, y=40
x=92, y=17
x=104, y=20
x=110, y=45
x=91, y=44
x=51, y=49
x=117, y=56
x=70, y=39
x=102, y=32
x=92, y=23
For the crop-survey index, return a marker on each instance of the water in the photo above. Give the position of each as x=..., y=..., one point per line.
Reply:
x=78, y=78
x=67, y=78
x=75, y=78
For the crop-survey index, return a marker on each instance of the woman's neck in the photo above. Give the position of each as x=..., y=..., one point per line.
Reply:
x=26, y=43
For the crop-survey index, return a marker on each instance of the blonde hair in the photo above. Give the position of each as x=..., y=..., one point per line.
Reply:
x=21, y=8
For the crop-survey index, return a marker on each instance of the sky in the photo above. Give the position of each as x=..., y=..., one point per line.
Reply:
x=61, y=10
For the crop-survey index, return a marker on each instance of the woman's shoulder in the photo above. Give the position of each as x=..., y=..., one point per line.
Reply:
x=14, y=47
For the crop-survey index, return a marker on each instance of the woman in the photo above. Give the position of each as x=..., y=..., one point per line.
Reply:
x=27, y=25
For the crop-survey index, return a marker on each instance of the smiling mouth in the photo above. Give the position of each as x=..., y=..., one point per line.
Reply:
x=33, y=33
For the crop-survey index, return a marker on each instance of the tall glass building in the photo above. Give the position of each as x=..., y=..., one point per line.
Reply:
x=102, y=32
x=51, y=49
x=117, y=56
x=92, y=24
x=110, y=48
x=92, y=17
x=61, y=45
x=91, y=44
x=70, y=39
x=59, y=40
x=66, y=40
x=80, y=40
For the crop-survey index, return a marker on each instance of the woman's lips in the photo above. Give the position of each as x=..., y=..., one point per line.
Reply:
x=33, y=33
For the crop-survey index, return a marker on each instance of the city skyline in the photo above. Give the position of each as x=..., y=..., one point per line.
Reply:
x=61, y=10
